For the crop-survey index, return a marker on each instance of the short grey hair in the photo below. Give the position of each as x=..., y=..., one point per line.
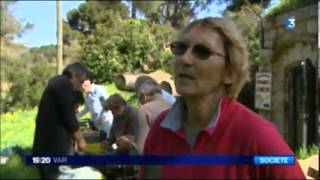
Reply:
x=237, y=54
x=148, y=89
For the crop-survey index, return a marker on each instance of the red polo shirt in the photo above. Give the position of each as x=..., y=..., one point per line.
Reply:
x=237, y=131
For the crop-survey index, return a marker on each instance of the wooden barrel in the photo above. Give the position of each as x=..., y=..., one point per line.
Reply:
x=126, y=81
x=159, y=76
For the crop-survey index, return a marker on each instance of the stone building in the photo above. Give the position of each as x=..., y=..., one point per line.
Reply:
x=290, y=55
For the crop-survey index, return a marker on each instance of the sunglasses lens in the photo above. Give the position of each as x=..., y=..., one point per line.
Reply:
x=201, y=52
x=178, y=48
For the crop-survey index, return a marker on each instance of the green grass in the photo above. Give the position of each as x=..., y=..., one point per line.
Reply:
x=17, y=129
x=304, y=153
x=127, y=95
x=16, y=169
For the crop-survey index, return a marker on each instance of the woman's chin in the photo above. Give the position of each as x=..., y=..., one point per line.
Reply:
x=186, y=91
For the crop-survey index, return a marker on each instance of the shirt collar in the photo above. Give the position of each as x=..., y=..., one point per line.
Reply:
x=173, y=119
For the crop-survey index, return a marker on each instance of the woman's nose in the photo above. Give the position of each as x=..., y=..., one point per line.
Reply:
x=187, y=58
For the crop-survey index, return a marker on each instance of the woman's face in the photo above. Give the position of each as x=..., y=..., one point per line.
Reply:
x=199, y=63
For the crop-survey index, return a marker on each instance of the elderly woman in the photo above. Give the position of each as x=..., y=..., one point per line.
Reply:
x=210, y=67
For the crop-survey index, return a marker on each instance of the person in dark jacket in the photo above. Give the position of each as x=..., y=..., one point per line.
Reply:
x=78, y=100
x=124, y=125
x=56, y=125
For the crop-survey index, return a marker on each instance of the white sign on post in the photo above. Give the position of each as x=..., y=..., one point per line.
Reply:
x=263, y=91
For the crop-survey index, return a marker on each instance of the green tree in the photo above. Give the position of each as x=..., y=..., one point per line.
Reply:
x=178, y=13
x=148, y=8
x=46, y=52
x=126, y=46
x=84, y=20
x=90, y=13
x=26, y=70
x=236, y=5
x=10, y=26
x=28, y=81
x=71, y=43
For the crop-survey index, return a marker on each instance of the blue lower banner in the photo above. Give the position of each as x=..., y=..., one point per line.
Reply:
x=161, y=160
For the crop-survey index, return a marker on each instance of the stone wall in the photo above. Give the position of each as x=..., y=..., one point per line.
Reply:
x=284, y=47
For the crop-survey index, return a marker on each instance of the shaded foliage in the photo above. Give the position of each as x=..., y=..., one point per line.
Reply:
x=248, y=24
x=236, y=5
x=180, y=12
x=289, y=5
x=177, y=13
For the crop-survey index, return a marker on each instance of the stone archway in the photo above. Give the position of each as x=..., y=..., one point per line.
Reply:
x=289, y=52
x=299, y=103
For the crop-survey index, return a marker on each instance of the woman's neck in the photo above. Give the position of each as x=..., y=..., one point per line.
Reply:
x=200, y=110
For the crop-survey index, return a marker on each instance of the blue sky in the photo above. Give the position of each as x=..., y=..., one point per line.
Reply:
x=42, y=14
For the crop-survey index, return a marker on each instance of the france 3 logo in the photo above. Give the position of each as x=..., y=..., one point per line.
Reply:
x=289, y=23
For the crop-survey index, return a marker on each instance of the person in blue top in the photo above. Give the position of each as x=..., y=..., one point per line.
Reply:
x=104, y=124
x=95, y=95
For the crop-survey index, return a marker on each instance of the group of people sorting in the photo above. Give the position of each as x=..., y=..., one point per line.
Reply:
x=123, y=128
x=210, y=66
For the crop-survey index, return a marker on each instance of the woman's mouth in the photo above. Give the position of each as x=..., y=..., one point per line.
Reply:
x=185, y=76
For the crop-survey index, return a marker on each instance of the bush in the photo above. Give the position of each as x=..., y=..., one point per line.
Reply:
x=28, y=82
x=126, y=46
x=304, y=153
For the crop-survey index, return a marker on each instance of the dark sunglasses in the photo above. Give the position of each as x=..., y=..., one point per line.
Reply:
x=200, y=51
